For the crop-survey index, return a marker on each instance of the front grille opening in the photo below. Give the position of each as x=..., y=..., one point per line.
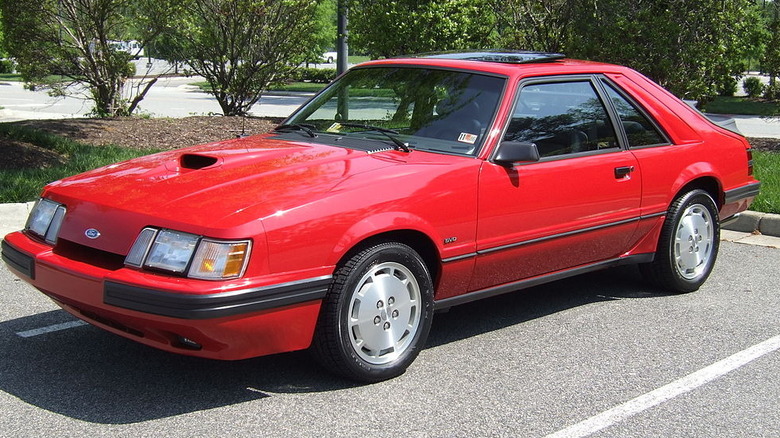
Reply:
x=111, y=323
x=91, y=256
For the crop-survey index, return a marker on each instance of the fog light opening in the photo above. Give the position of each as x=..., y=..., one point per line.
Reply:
x=187, y=343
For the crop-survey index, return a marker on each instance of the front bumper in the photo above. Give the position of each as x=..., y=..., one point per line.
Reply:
x=237, y=320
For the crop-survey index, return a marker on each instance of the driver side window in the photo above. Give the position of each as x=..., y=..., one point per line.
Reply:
x=561, y=118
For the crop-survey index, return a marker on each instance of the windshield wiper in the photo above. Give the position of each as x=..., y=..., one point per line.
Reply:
x=389, y=133
x=305, y=127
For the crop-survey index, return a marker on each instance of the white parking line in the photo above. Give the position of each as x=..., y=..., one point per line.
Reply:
x=653, y=398
x=51, y=328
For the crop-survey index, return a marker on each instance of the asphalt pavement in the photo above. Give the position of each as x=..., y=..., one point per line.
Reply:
x=600, y=355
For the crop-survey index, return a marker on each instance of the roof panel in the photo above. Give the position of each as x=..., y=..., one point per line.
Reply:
x=501, y=56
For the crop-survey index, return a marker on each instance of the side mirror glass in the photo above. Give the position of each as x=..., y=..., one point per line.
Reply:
x=512, y=152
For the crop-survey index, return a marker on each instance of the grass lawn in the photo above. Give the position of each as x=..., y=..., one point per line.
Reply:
x=767, y=170
x=305, y=87
x=22, y=185
x=358, y=59
x=16, y=77
x=742, y=105
x=13, y=77
x=310, y=87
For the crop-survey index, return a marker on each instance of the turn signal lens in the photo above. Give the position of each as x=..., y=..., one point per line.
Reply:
x=216, y=260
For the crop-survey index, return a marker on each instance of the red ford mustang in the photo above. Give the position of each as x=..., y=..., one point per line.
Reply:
x=406, y=186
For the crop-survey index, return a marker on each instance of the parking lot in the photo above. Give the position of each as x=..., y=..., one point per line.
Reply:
x=601, y=355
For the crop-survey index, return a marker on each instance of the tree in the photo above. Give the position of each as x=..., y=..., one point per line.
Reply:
x=2, y=39
x=324, y=35
x=78, y=39
x=770, y=61
x=397, y=27
x=691, y=48
x=241, y=47
x=533, y=24
x=6, y=66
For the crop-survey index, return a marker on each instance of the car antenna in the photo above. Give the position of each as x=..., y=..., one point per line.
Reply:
x=243, y=133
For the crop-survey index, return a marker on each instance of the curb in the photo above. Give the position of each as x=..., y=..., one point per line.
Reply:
x=752, y=221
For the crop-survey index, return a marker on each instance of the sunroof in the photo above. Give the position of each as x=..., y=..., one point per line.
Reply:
x=503, y=56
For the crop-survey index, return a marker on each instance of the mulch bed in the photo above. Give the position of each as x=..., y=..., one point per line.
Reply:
x=131, y=132
x=158, y=133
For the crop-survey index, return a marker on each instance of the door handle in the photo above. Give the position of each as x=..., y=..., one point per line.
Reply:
x=623, y=171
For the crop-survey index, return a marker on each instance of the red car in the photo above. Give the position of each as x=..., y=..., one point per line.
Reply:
x=405, y=187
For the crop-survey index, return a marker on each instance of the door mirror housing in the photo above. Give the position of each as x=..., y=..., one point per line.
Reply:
x=512, y=152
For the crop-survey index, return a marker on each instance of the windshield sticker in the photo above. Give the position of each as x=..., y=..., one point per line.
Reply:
x=465, y=137
x=336, y=127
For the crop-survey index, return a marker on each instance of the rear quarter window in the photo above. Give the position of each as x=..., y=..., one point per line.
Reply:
x=640, y=131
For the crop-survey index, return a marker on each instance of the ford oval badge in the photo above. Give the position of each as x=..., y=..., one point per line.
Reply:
x=92, y=233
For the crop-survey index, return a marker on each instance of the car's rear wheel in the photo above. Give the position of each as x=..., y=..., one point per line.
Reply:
x=376, y=317
x=688, y=245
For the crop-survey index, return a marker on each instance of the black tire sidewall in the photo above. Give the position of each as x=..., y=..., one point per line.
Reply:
x=364, y=262
x=675, y=280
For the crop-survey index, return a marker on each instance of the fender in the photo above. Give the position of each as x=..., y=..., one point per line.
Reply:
x=381, y=223
x=698, y=170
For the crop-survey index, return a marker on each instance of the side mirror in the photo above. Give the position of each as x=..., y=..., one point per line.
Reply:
x=511, y=152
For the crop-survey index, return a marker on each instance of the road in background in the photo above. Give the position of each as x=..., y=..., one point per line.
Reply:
x=171, y=96
x=174, y=96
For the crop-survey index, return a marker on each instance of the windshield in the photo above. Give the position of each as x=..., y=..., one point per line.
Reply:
x=426, y=109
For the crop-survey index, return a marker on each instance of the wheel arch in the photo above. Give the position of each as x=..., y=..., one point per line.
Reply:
x=415, y=239
x=709, y=184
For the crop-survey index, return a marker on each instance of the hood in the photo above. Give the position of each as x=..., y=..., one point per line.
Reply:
x=203, y=189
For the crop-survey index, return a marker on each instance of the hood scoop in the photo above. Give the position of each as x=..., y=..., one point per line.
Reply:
x=196, y=161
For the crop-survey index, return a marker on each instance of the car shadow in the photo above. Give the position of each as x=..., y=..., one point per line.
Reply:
x=91, y=375
x=506, y=310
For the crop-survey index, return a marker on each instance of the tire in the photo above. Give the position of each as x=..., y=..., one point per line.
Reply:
x=688, y=245
x=377, y=314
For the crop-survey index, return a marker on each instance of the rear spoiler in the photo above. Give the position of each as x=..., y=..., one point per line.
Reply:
x=722, y=120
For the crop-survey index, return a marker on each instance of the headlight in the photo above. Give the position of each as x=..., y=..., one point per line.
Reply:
x=171, y=251
x=189, y=254
x=45, y=220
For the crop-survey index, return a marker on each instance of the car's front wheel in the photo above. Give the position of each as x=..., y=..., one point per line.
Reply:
x=688, y=245
x=376, y=317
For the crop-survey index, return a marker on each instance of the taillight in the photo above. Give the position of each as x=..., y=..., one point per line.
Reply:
x=750, y=161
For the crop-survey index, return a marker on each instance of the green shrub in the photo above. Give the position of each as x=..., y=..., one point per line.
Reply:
x=316, y=75
x=772, y=91
x=6, y=66
x=728, y=87
x=753, y=87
